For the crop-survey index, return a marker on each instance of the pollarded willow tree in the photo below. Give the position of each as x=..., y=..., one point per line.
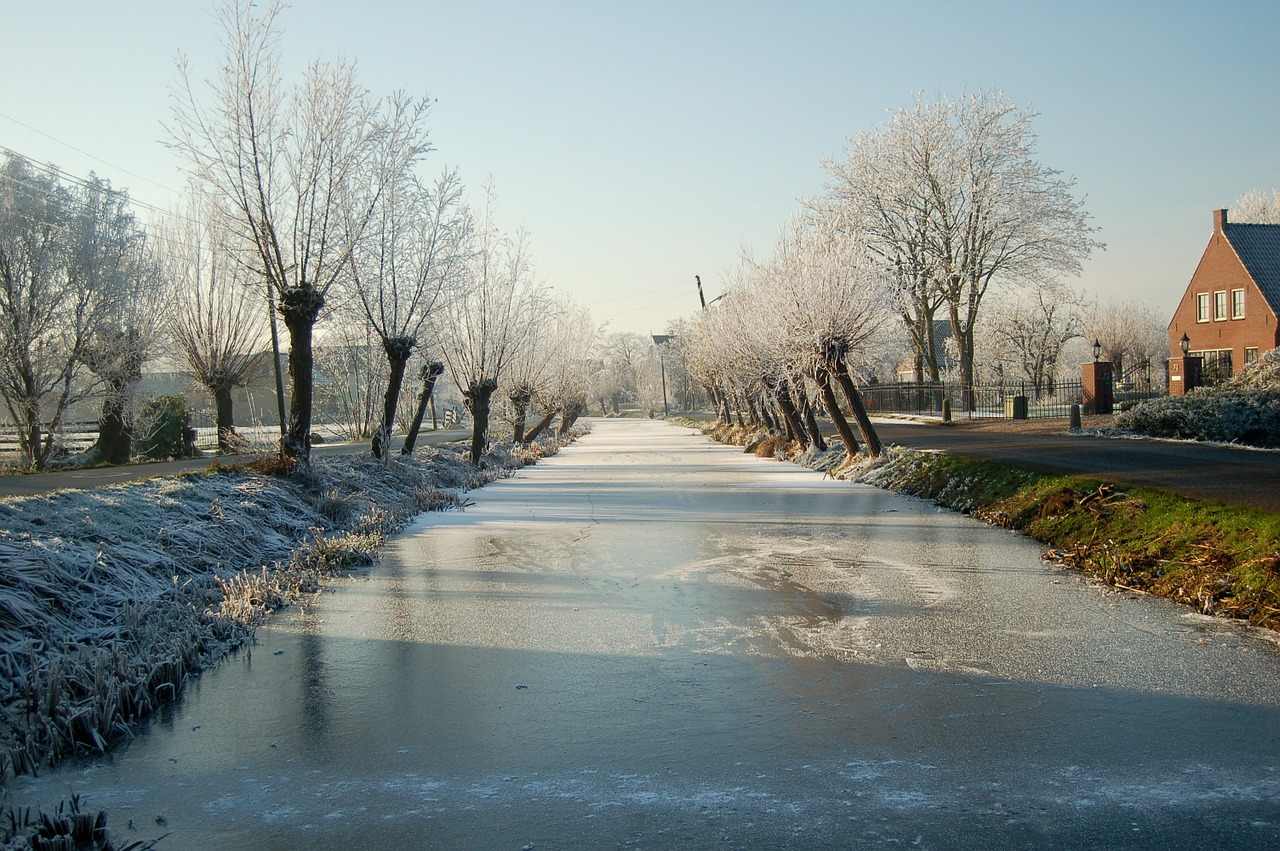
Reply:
x=412, y=261
x=951, y=197
x=572, y=339
x=829, y=295
x=218, y=316
x=111, y=254
x=490, y=321
x=301, y=169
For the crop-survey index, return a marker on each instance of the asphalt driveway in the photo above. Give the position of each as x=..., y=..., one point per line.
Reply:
x=1230, y=474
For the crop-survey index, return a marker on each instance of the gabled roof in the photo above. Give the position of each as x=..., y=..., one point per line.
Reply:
x=1258, y=247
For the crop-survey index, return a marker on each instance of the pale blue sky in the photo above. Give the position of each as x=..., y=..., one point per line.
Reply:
x=643, y=143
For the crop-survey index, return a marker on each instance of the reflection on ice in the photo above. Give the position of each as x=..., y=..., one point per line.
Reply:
x=652, y=640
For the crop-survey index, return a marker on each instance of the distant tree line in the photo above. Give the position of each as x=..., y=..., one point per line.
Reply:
x=307, y=220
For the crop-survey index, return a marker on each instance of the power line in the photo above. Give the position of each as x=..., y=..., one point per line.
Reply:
x=83, y=152
x=634, y=295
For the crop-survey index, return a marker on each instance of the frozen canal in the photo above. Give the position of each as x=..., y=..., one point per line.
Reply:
x=652, y=641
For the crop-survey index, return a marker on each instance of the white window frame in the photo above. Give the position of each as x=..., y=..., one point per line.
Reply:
x=1202, y=307
x=1237, y=303
x=1219, y=305
x=1250, y=355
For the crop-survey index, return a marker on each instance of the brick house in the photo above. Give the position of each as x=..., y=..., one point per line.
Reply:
x=1229, y=311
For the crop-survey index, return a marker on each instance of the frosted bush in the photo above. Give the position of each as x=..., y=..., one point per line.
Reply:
x=1245, y=409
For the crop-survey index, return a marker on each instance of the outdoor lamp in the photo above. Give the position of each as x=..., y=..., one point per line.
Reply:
x=1185, y=344
x=1097, y=349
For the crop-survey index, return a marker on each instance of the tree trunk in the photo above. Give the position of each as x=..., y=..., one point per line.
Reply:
x=300, y=307
x=222, y=403
x=477, y=397
x=571, y=413
x=868, y=431
x=795, y=431
x=520, y=399
x=115, y=438
x=811, y=423
x=31, y=443
x=398, y=351
x=766, y=417
x=430, y=372
x=532, y=434
x=833, y=411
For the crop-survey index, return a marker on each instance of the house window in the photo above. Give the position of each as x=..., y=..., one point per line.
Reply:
x=1250, y=356
x=1202, y=307
x=1237, y=304
x=1219, y=305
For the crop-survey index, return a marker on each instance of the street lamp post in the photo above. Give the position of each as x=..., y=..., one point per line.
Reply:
x=660, y=340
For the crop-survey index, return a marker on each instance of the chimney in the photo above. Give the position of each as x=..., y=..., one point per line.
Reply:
x=1219, y=220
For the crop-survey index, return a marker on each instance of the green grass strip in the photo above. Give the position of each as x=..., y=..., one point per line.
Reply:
x=1220, y=559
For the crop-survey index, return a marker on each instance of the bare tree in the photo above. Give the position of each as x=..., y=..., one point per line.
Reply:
x=413, y=259
x=572, y=339
x=111, y=254
x=351, y=373
x=967, y=205
x=70, y=261
x=428, y=375
x=303, y=171
x=1133, y=334
x=1033, y=328
x=218, y=315
x=44, y=322
x=830, y=295
x=490, y=321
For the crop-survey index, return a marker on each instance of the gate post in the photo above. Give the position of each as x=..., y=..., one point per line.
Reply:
x=1184, y=374
x=1096, y=383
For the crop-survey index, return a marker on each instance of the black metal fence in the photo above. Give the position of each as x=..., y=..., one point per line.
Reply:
x=992, y=400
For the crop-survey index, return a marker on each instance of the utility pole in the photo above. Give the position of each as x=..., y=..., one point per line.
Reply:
x=701, y=298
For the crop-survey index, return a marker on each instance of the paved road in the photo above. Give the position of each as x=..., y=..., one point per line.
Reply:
x=651, y=641
x=1228, y=474
x=37, y=483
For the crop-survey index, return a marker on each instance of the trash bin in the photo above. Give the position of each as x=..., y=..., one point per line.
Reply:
x=1015, y=407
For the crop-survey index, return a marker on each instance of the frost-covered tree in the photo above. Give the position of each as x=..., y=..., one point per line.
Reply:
x=1134, y=335
x=44, y=321
x=573, y=337
x=411, y=261
x=110, y=254
x=351, y=373
x=1032, y=328
x=490, y=321
x=428, y=374
x=68, y=258
x=952, y=200
x=828, y=293
x=218, y=316
x=1257, y=207
x=302, y=169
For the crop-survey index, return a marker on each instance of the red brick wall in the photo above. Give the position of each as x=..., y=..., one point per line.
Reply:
x=1220, y=269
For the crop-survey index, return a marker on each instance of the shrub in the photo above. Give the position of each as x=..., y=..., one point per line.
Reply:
x=161, y=424
x=1245, y=409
